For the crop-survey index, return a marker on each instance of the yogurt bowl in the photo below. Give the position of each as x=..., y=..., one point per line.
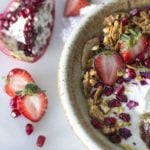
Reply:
x=70, y=78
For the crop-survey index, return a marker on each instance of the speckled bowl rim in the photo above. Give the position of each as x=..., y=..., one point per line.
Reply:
x=63, y=86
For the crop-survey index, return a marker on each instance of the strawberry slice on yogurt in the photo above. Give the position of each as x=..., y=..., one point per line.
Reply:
x=107, y=65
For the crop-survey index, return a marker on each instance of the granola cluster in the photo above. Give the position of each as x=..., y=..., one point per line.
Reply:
x=119, y=23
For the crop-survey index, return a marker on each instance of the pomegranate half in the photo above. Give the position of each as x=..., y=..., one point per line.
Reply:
x=26, y=28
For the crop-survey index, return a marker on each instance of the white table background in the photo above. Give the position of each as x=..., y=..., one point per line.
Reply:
x=54, y=124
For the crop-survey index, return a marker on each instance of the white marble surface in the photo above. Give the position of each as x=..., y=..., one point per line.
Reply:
x=54, y=125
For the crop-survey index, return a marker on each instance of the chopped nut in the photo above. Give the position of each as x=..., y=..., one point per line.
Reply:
x=95, y=112
x=93, y=72
x=126, y=147
x=115, y=28
x=98, y=93
x=109, y=130
x=92, y=82
x=95, y=48
x=104, y=107
x=121, y=124
x=116, y=110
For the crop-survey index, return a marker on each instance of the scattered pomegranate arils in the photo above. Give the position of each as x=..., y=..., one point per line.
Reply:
x=40, y=140
x=114, y=103
x=29, y=128
x=143, y=82
x=13, y=102
x=131, y=73
x=125, y=117
x=119, y=89
x=115, y=138
x=147, y=63
x=122, y=98
x=124, y=21
x=145, y=75
x=125, y=133
x=96, y=123
x=135, y=12
x=15, y=113
x=108, y=90
x=131, y=104
x=109, y=121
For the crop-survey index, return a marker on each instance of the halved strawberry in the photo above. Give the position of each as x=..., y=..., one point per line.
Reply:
x=133, y=45
x=107, y=65
x=73, y=7
x=33, y=103
x=16, y=80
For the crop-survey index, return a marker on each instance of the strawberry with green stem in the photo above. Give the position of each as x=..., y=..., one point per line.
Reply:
x=133, y=44
x=32, y=102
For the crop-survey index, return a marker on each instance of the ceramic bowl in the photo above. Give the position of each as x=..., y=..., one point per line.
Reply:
x=70, y=86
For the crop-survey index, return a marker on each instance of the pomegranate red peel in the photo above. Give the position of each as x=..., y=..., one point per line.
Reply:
x=42, y=48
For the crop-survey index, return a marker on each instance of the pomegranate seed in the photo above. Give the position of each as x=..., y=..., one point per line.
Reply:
x=96, y=123
x=140, y=57
x=131, y=73
x=13, y=19
x=124, y=21
x=147, y=63
x=120, y=80
x=27, y=28
x=145, y=74
x=115, y=138
x=131, y=104
x=119, y=90
x=25, y=12
x=9, y=15
x=29, y=128
x=108, y=91
x=125, y=133
x=15, y=113
x=143, y=82
x=134, y=12
x=13, y=102
x=122, y=98
x=125, y=117
x=6, y=24
x=127, y=80
x=114, y=103
x=21, y=46
x=109, y=121
x=40, y=140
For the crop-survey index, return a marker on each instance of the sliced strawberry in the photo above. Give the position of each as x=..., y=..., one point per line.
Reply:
x=107, y=66
x=16, y=80
x=33, y=103
x=133, y=45
x=73, y=7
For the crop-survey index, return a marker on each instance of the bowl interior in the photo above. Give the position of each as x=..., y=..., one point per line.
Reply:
x=70, y=86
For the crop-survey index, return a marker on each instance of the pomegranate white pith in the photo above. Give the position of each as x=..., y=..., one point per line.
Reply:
x=26, y=28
